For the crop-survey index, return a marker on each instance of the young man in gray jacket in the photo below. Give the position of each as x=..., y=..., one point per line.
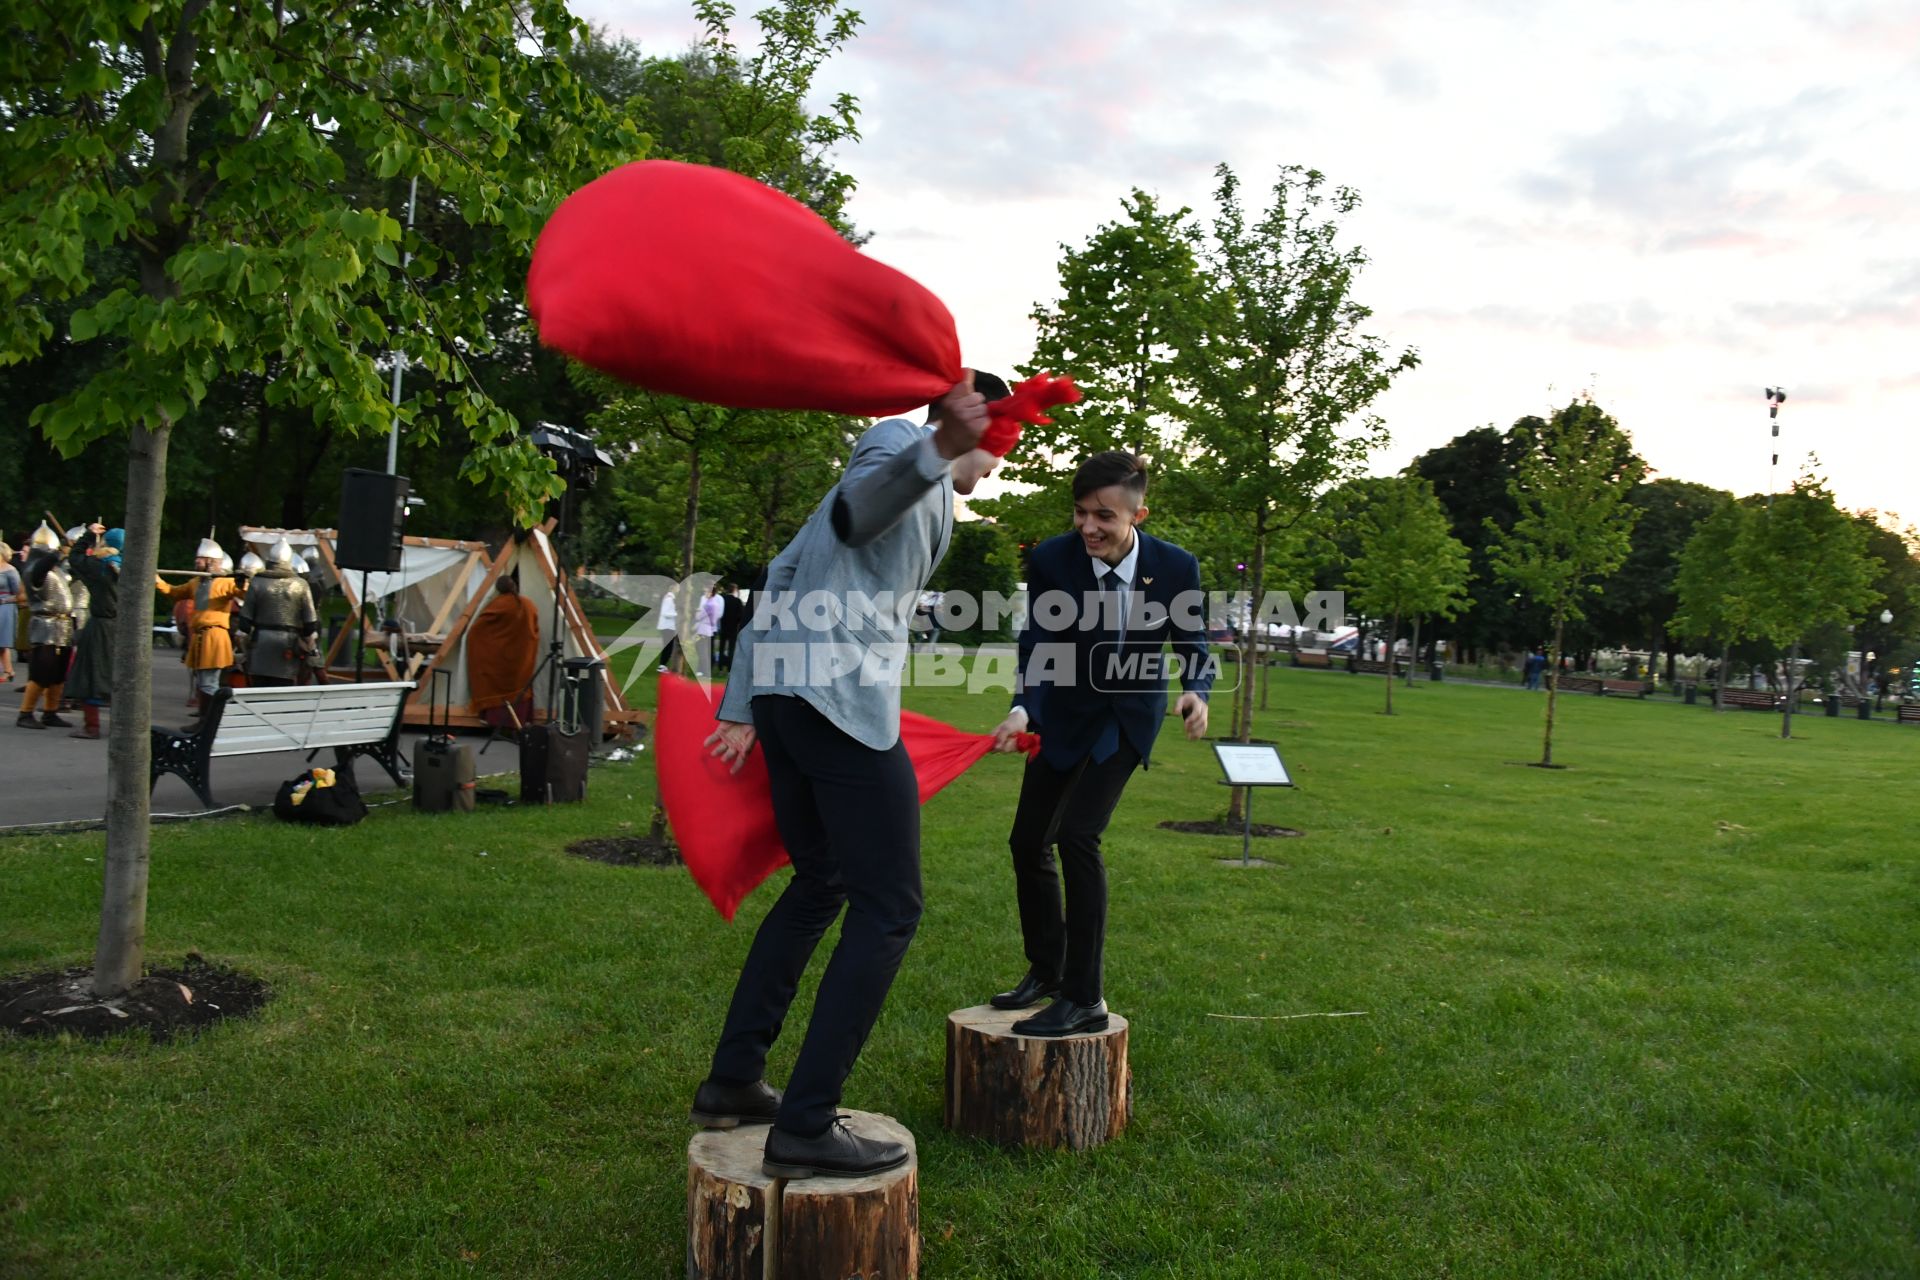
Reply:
x=816, y=681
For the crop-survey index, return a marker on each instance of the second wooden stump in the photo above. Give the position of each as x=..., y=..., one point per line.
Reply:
x=1026, y=1091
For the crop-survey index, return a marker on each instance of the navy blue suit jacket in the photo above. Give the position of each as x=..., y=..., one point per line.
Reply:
x=1078, y=678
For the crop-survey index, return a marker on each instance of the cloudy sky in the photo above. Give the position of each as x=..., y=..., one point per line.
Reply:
x=1671, y=205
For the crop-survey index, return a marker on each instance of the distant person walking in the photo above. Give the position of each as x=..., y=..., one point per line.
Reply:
x=706, y=625
x=733, y=613
x=667, y=622
x=13, y=594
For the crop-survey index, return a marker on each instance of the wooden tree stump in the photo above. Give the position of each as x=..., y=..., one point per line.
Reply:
x=743, y=1225
x=1021, y=1091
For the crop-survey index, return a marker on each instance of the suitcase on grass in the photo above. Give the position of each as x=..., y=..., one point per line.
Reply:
x=443, y=771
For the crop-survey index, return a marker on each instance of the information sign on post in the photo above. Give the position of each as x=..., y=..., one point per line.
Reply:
x=1251, y=765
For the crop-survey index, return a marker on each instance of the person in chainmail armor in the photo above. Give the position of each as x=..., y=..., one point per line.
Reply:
x=279, y=619
x=49, y=631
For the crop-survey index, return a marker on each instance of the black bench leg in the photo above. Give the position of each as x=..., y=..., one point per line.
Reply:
x=385, y=754
x=184, y=756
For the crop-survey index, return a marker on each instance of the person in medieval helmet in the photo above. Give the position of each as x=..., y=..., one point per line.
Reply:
x=209, y=626
x=250, y=564
x=49, y=630
x=279, y=619
x=95, y=560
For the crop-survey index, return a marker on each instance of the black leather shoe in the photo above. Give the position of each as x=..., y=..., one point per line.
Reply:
x=1064, y=1018
x=728, y=1106
x=1030, y=990
x=53, y=721
x=837, y=1153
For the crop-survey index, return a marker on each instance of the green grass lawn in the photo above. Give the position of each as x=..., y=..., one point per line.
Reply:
x=1654, y=1015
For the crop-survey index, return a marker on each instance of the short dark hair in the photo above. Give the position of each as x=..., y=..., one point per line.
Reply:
x=990, y=385
x=1115, y=466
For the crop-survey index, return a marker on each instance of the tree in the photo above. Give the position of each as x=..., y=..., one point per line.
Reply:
x=178, y=166
x=1710, y=587
x=1409, y=564
x=1125, y=296
x=1276, y=374
x=1806, y=565
x=747, y=113
x=1574, y=525
x=1896, y=581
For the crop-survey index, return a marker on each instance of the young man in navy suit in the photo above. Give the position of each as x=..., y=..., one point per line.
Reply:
x=1102, y=602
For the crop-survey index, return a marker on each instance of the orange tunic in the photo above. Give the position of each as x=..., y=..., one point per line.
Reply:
x=209, y=638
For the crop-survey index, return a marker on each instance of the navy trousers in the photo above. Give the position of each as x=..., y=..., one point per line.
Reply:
x=850, y=818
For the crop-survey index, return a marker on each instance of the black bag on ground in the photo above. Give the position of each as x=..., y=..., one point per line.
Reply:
x=553, y=765
x=443, y=771
x=301, y=799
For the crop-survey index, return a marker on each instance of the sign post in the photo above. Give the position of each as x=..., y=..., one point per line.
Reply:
x=1251, y=765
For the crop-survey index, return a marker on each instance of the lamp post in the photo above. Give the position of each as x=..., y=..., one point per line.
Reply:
x=1879, y=683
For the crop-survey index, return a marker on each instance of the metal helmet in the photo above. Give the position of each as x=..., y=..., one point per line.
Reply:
x=209, y=549
x=311, y=565
x=225, y=566
x=280, y=555
x=251, y=564
x=76, y=533
x=44, y=538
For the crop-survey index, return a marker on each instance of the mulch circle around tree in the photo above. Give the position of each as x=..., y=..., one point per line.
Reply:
x=627, y=851
x=165, y=1003
x=1261, y=830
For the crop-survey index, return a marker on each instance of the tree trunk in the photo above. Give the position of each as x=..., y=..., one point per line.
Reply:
x=1393, y=628
x=1553, y=685
x=1243, y=696
x=123, y=901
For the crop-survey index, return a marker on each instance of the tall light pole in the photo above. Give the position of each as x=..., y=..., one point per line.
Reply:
x=1880, y=681
x=399, y=356
x=1775, y=398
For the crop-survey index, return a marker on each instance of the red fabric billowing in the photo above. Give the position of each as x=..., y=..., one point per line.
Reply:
x=1027, y=405
x=703, y=283
x=723, y=821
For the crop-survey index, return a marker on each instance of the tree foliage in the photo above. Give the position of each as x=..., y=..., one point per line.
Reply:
x=1573, y=524
x=177, y=188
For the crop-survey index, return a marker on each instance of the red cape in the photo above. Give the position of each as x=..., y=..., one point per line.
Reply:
x=724, y=821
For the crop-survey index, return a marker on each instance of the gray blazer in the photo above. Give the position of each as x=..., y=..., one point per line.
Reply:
x=831, y=624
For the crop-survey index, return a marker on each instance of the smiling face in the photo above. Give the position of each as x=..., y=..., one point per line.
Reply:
x=1105, y=518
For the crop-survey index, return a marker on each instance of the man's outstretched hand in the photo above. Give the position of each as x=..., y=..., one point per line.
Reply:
x=732, y=743
x=1193, y=712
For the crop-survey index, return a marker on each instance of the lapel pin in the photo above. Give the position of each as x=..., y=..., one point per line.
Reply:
x=1146, y=582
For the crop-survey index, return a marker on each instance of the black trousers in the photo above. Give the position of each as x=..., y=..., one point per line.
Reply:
x=850, y=818
x=1070, y=809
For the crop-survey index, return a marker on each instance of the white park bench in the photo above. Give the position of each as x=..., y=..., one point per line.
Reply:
x=353, y=719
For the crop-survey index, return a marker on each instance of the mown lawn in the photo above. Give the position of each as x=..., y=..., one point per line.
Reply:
x=1650, y=1016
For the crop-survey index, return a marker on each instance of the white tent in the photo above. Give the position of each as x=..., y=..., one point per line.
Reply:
x=440, y=585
